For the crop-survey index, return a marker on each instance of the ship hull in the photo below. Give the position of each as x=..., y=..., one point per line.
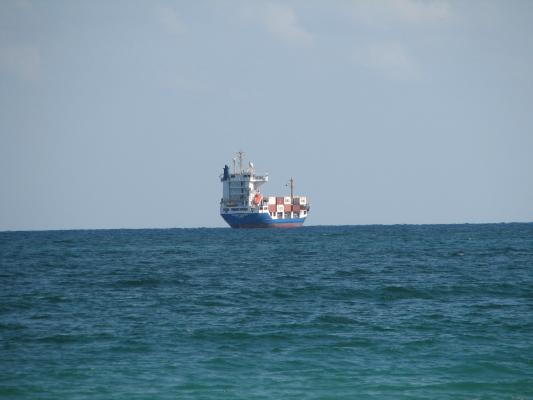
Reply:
x=260, y=220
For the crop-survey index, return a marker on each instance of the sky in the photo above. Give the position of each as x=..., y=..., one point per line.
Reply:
x=122, y=114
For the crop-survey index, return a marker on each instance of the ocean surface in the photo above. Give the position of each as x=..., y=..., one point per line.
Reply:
x=348, y=312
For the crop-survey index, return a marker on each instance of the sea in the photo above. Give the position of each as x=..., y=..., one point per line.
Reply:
x=319, y=312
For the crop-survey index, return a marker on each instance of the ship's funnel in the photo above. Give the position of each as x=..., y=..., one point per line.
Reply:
x=226, y=173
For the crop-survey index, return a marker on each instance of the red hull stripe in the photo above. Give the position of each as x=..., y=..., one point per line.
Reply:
x=289, y=225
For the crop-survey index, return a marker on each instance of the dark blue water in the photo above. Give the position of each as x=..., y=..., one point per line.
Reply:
x=375, y=312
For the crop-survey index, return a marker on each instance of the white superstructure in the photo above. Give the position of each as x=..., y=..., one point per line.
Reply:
x=240, y=189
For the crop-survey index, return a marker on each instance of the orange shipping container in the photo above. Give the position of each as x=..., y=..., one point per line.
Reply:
x=288, y=208
x=272, y=208
x=279, y=200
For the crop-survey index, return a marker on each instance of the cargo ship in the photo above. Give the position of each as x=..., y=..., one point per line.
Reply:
x=244, y=206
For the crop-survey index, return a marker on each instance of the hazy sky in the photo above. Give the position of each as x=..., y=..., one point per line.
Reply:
x=122, y=114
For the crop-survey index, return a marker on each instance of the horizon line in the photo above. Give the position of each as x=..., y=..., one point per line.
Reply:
x=227, y=227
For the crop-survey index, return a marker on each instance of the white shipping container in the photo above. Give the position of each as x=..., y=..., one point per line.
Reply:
x=286, y=200
x=271, y=200
x=280, y=208
x=303, y=201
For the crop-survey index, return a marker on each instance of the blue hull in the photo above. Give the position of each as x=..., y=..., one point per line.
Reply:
x=260, y=220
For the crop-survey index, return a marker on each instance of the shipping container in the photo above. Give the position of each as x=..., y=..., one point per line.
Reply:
x=295, y=200
x=280, y=208
x=272, y=208
x=296, y=207
x=271, y=200
x=286, y=200
x=288, y=207
x=279, y=200
x=303, y=201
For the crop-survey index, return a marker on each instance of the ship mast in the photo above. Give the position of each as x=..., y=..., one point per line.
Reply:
x=291, y=182
x=241, y=156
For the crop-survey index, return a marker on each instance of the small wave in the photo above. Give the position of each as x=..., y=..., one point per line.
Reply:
x=146, y=282
x=421, y=343
x=55, y=299
x=130, y=346
x=8, y=392
x=11, y=326
x=483, y=386
x=334, y=319
x=402, y=293
x=63, y=338
x=66, y=338
x=226, y=335
x=458, y=253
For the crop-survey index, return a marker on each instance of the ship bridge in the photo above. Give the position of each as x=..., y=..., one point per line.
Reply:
x=240, y=187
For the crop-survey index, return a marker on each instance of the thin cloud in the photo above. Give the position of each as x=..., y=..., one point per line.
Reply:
x=384, y=12
x=386, y=21
x=421, y=10
x=280, y=20
x=21, y=61
x=388, y=58
x=170, y=20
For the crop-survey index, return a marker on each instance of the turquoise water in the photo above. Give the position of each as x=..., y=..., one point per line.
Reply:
x=369, y=312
